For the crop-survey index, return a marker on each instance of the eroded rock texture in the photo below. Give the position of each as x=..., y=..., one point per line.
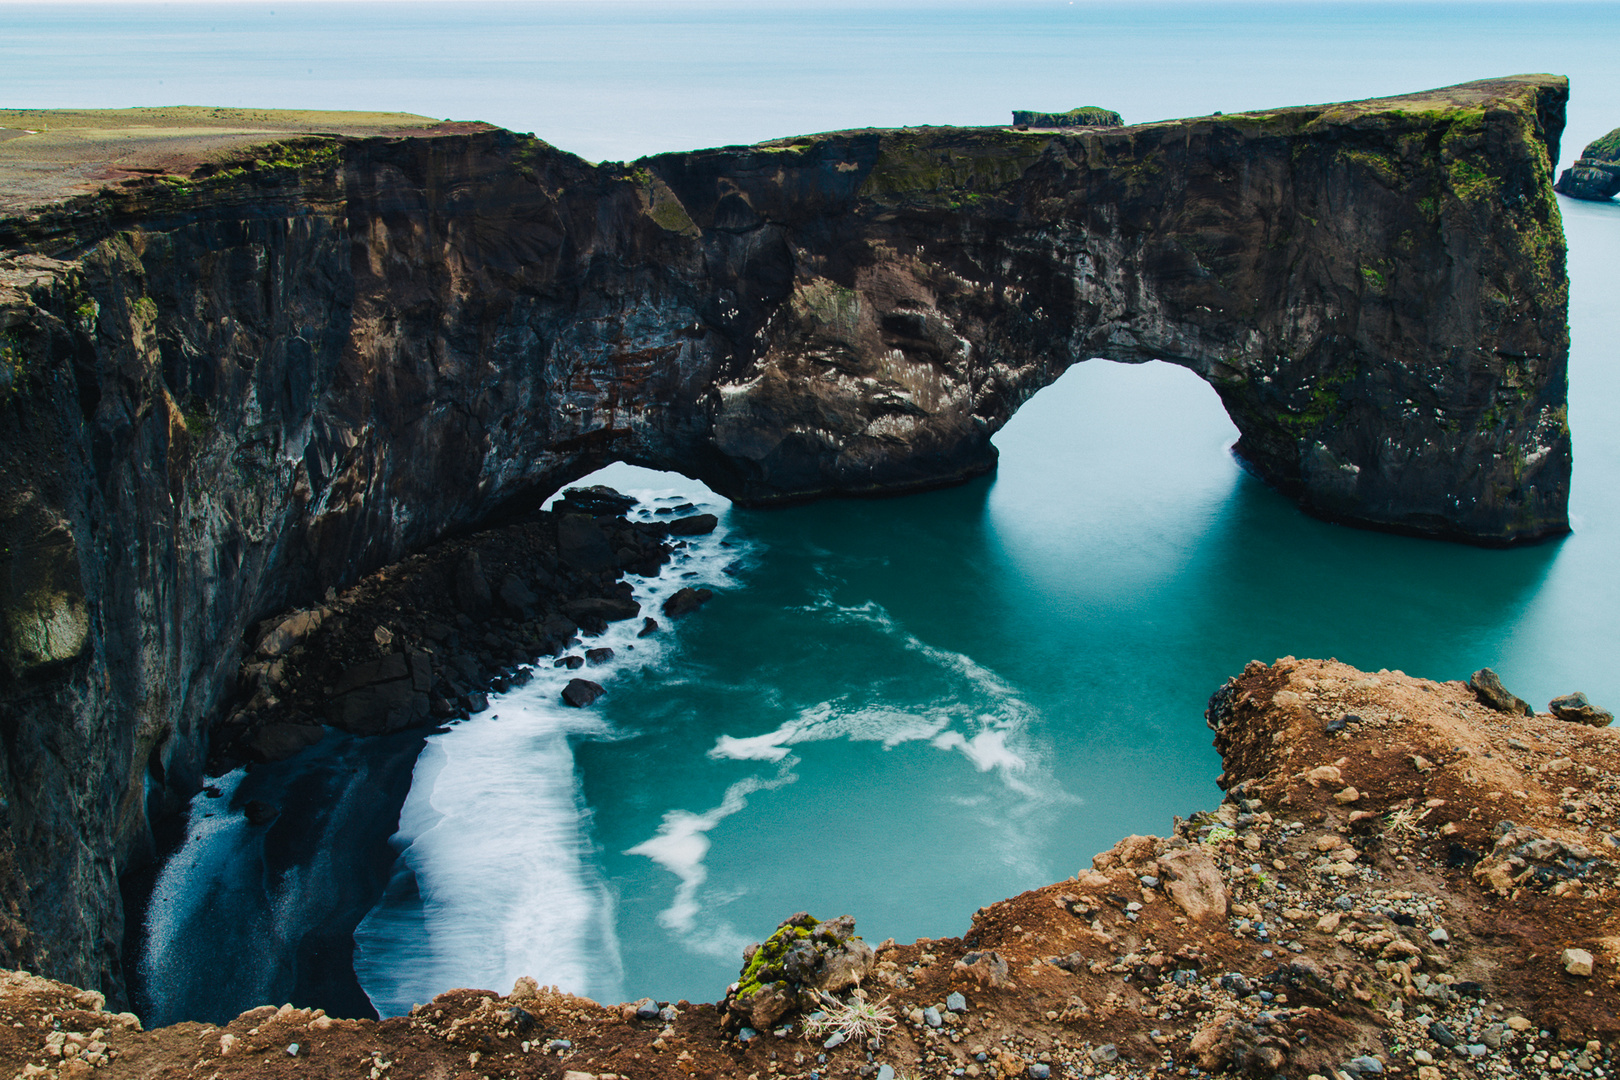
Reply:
x=224, y=392
x=1596, y=173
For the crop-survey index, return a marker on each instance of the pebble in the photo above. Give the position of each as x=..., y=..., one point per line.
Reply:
x=1577, y=962
x=1439, y=935
x=292, y=1049
x=931, y=1017
x=885, y=1072
x=1441, y=1034
x=1105, y=1053
x=1367, y=1066
x=956, y=1002
x=1039, y=1071
x=646, y=1009
x=835, y=1039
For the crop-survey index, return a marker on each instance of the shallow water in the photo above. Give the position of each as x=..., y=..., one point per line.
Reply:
x=898, y=709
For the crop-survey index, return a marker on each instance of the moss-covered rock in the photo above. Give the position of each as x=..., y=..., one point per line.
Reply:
x=1084, y=116
x=792, y=969
x=1596, y=173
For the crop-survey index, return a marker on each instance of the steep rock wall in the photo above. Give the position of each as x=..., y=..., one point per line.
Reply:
x=227, y=391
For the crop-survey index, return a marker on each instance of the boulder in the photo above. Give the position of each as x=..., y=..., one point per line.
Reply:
x=795, y=969
x=581, y=692
x=280, y=638
x=281, y=740
x=1193, y=882
x=259, y=812
x=696, y=525
x=1577, y=962
x=686, y=601
x=517, y=599
x=605, y=608
x=1229, y=1043
x=988, y=969
x=582, y=545
x=598, y=656
x=1489, y=690
x=598, y=500
x=1577, y=710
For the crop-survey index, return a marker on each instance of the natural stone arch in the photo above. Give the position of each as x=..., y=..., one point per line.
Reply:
x=271, y=375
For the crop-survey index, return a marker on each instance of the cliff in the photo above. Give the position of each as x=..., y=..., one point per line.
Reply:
x=1402, y=881
x=230, y=382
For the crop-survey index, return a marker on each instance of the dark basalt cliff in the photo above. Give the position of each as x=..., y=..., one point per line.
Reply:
x=225, y=391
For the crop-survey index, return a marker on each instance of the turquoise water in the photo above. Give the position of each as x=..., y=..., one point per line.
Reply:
x=897, y=709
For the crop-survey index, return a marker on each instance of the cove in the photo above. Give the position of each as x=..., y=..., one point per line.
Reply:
x=1081, y=603
x=907, y=708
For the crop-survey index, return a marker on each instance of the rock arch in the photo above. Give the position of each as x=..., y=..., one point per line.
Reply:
x=226, y=391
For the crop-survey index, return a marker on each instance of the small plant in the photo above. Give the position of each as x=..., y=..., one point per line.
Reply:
x=1401, y=821
x=856, y=1020
x=1220, y=834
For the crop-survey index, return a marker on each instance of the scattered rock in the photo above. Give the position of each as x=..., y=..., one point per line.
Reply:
x=1490, y=691
x=598, y=656
x=696, y=525
x=582, y=692
x=1577, y=710
x=988, y=969
x=517, y=599
x=259, y=812
x=1576, y=962
x=598, y=500
x=686, y=600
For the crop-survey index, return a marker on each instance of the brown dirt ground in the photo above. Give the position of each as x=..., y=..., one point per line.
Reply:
x=48, y=155
x=1336, y=899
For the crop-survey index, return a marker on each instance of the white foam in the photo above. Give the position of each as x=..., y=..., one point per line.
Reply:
x=204, y=867
x=682, y=844
x=497, y=875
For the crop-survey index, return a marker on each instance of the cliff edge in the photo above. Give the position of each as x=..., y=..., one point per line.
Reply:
x=1403, y=881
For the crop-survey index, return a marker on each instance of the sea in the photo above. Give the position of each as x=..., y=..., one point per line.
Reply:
x=897, y=709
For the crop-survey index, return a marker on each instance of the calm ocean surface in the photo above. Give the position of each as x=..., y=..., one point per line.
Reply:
x=898, y=709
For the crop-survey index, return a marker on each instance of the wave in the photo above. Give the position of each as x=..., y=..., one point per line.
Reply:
x=497, y=874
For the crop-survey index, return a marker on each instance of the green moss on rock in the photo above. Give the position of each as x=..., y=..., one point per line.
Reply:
x=1084, y=116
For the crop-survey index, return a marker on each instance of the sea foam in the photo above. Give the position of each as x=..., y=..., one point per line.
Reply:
x=497, y=875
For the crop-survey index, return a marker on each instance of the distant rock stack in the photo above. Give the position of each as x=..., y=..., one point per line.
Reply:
x=1085, y=116
x=1596, y=173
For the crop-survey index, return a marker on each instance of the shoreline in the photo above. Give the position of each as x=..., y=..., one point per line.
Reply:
x=1355, y=908
x=321, y=778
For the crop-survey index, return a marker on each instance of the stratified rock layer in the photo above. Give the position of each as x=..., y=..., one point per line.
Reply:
x=1596, y=173
x=228, y=390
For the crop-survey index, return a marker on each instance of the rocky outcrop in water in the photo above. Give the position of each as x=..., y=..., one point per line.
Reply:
x=1596, y=173
x=228, y=389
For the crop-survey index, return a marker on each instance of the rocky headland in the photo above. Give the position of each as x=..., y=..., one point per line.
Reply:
x=237, y=374
x=1596, y=173
x=1407, y=878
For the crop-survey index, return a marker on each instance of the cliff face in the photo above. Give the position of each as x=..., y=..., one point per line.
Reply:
x=226, y=391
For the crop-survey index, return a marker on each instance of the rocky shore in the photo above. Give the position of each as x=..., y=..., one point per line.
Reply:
x=1407, y=878
x=424, y=641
